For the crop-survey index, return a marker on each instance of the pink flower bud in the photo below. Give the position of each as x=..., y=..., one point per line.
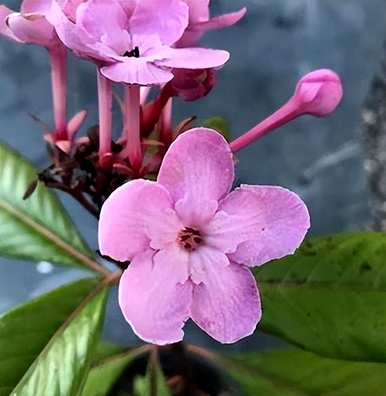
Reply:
x=191, y=85
x=318, y=93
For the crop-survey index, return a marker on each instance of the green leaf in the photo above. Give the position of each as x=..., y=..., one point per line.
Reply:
x=299, y=373
x=330, y=297
x=220, y=124
x=37, y=228
x=46, y=343
x=104, y=374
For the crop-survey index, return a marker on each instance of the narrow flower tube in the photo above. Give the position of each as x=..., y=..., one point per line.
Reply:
x=165, y=123
x=58, y=57
x=105, y=100
x=317, y=93
x=131, y=125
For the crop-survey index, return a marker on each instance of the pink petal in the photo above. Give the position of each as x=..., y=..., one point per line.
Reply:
x=4, y=28
x=155, y=296
x=261, y=222
x=227, y=304
x=198, y=10
x=167, y=19
x=198, y=171
x=135, y=216
x=75, y=123
x=193, y=58
x=35, y=6
x=100, y=18
x=137, y=71
x=32, y=29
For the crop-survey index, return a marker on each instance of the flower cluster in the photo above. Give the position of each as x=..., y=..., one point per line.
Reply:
x=189, y=240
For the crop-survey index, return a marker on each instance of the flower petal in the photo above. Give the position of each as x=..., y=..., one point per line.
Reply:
x=35, y=6
x=155, y=296
x=4, y=28
x=136, y=71
x=198, y=10
x=198, y=171
x=135, y=216
x=227, y=304
x=168, y=19
x=257, y=224
x=32, y=29
x=192, y=58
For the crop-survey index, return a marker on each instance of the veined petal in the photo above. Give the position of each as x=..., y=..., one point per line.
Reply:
x=136, y=215
x=192, y=58
x=137, y=71
x=35, y=6
x=4, y=28
x=32, y=29
x=167, y=19
x=198, y=171
x=227, y=304
x=258, y=224
x=155, y=296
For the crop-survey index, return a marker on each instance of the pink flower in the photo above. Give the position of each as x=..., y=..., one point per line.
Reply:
x=133, y=41
x=191, y=242
x=29, y=26
x=200, y=21
x=318, y=93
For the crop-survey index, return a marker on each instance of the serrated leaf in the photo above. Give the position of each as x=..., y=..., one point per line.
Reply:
x=104, y=373
x=46, y=343
x=330, y=297
x=37, y=228
x=298, y=373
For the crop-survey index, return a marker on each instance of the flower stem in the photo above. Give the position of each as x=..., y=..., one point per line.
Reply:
x=165, y=123
x=58, y=57
x=131, y=125
x=285, y=114
x=105, y=101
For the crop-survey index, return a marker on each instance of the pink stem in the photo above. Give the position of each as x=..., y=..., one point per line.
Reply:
x=131, y=125
x=285, y=114
x=165, y=123
x=58, y=56
x=105, y=101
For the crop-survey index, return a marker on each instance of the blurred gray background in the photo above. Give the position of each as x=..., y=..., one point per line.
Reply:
x=276, y=43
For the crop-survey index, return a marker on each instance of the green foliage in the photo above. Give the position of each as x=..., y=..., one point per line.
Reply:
x=143, y=385
x=299, y=373
x=46, y=344
x=330, y=297
x=220, y=124
x=36, y=228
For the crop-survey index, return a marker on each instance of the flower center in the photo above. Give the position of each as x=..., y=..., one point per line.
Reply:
x=134, y=53
x=189, y=239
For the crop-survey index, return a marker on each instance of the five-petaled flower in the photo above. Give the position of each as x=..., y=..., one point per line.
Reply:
x=191, y=242
x=133, y=41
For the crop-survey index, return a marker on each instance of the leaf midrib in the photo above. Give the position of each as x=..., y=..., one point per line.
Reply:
x=48, y=234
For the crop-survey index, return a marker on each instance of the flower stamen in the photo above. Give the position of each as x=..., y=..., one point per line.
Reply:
x=189, y=239
x=134, y=53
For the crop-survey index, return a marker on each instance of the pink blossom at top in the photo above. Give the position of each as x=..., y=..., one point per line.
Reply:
x=200, y=21
x=29, y=26
x=191, y=242
x=133, y=42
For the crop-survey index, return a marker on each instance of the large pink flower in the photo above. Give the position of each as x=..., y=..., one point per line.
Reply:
x=191, y=242
x=201, y=22
x=132, y=41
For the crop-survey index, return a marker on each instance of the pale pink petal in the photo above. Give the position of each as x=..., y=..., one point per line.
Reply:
x=4, y=28
x=198, y=10
x=227, y=304
x=32, y=29
x=75, y=123
x=100, y=17
x=155, y=296
x=73, y=36
x=134, y=217
x=198, y=171
x=167, y=19
x=192, y=58
x=35, y=6
x=262, y=222
x=137, y=71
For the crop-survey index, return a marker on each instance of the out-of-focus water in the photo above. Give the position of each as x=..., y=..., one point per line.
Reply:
x=271, y=48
